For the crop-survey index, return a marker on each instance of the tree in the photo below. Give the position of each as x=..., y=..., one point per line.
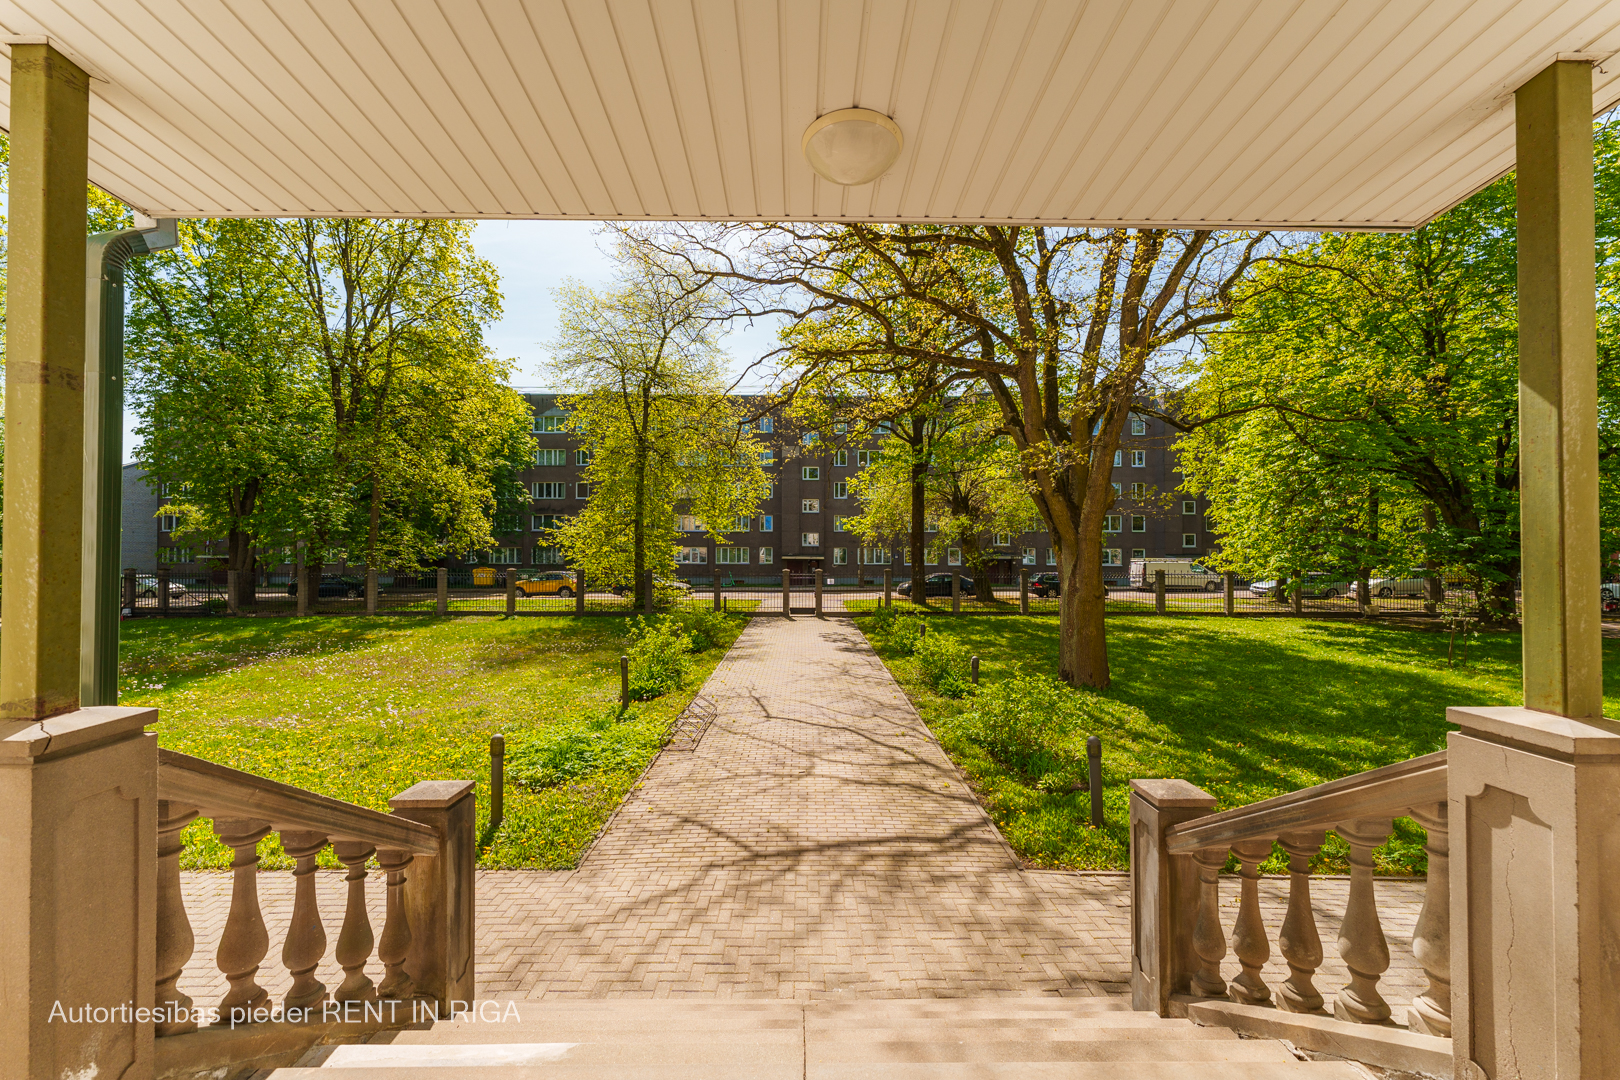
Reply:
x=649, y=402
x=1058, y=325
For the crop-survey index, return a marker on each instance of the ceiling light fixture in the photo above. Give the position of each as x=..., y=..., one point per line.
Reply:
x=852, y=146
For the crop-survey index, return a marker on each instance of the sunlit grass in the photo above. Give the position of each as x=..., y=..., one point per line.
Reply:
x=1244, y=708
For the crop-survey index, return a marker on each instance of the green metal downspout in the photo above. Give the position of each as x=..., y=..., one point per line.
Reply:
x=100, y=600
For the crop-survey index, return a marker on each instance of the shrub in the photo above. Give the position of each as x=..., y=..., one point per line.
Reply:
x=1038, y=726
x=569, y=749
x=881, y=623
x=659, y=660
x=903, y=635
x=943, y=663
x=705, y=626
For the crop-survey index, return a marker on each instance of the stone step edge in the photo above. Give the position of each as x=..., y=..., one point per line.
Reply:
x=1386, y=1046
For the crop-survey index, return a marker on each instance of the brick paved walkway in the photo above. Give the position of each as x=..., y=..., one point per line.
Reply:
x=816, y=843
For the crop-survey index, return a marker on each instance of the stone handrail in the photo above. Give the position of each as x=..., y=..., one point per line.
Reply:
x=1179, y=846
x=425, y=848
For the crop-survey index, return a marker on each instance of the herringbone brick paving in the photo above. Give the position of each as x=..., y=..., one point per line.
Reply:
x=817, y=843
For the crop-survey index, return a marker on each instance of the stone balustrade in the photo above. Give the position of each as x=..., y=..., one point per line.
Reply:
x=1179, y=944
x=425, y=850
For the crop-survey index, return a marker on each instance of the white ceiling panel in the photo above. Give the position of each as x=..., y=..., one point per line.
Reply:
x=1216, y=113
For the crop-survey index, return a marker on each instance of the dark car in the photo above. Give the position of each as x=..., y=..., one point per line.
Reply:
x=936, y=585
x=1045, y=585
x=334, y=585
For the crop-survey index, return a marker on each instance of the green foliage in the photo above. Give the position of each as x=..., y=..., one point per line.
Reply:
x=703, y=626
x=900, y=633
x=943, y=664
x=1037, y=726
x=660, y=659
x=567, y=750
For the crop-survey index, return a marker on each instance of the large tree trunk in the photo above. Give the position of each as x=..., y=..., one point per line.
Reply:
x=239, y=557
x=639, y=530
x=1082, y=642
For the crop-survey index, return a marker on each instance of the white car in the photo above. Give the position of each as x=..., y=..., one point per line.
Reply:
x=1413, y=584
x=146, y=585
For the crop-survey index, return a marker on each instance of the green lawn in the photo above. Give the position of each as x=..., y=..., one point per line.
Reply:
x=361, y=708
x=1244, y=708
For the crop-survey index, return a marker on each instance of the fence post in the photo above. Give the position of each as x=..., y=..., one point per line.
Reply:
x=718, y=604
x=231, y=592
x=956, y=592
x=820, y=577
x=1299, y=599
x=163, y=590
x=444, y=591
x=787, y=594
x=497, y=781
x=1023, y=590
x=1158, y=592
x=511, y=593
x=129, y=591
x=1229, y=585
x=439, y=889
x=888, y=586
x=1164, y=893
x=371, y=591
x=624, y=681
x=973, y=670
x=579, y=590
x=647, y=594
x=1094, y=761
x=1434, y=593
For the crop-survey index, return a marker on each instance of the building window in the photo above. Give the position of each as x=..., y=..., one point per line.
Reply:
x=1051, y=556
x=547, y=556
x=1036, y=525
x=1029, y=556
x=582, y=457
x=1138, y=459
x=885, y=427
x=840, y=556
x=954, y=556
x=1003, y=539
x=767, y=457
x=1138, y=426
x=930, y=526
x=582, y=491
x=840, y=524
x=551, y=457
x=1189, y=506
x=840, y=490
x=174, y=555
x=504, y=556
x=1110, y=557
x=863, y=458
x=767, y=523
x=687, y=523
x=742, y=524
x=841, y=458
x=839, y=429
x=765, y=556
x=1119, y=458
x=906, y=557
x=1138, y=523
x=810, y=472
x=809, y=506
x=167, y=523
x=1138, y=553
x=1138, y=491
x=878, y=556
x=1113, y=523
x=550, y=491
x=1189, y=540
x=731, y=556
x=809, y=438
x=765, y=425
x=551, y=422
x=810, y=540
x=693, y=556
x=1117, y=491
x=542, y=522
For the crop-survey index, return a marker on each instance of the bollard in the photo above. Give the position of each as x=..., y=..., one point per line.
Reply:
x=1023, y=590
x=1158, y=592
x=511, y=593
x=973, y=669
x=497, y=781
x=1094, y=759
x=956, y=592
x=888, y=586
x=624, y=682
x=922, y=630
x=442, y=592
x=579, y=590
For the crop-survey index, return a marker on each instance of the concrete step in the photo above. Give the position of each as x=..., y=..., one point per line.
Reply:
x=1116, y=1050
x=1013, y=1070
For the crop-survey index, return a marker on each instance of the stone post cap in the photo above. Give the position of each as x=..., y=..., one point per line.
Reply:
x=432, y=795
x=73, y=730
x=1541, y=732
x=1165, y=793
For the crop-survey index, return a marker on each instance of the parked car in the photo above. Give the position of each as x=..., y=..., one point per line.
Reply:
x=550, y=583
x=1178, y=574
x=1315, y=587
x=1610, y=601
x=936, y=585
x=1412, y=584
x=1610, y=590
x=334, y=585
x=1045, y=585
x=147, y=585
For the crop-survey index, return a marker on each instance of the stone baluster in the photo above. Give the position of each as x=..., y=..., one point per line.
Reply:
x=1361, y=937
x=395, y=944
x=1209, y=943
x=1430, y=1011
x=175, y=940
x=1298, y=941
x=245, y=941
x=306, y=937
x=1249, y=932
x=355, y=940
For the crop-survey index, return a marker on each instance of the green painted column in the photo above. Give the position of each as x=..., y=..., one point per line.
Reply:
x=44, y=471
x=1558, y=478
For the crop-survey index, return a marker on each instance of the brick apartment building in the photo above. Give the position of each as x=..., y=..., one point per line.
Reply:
x=799, y=526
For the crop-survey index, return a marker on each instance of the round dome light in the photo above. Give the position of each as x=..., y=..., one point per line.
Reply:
x=852, y=146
